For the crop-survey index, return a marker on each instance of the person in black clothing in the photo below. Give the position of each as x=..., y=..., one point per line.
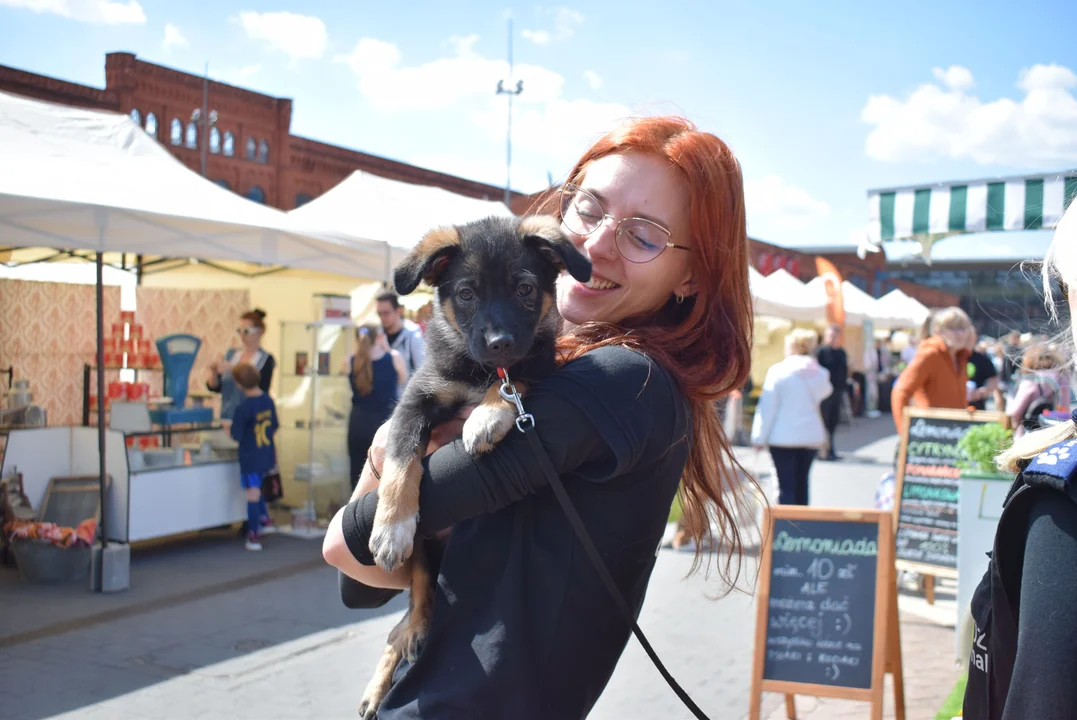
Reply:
x=982, y=372
x=832, y=357
x=376, y=373
x=1022, y=663
x=521, y=625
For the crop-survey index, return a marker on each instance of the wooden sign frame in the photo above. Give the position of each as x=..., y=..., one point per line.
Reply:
x=886, y=636
x=930, y=572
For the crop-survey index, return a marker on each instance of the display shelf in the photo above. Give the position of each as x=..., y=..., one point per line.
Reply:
x=87, y=383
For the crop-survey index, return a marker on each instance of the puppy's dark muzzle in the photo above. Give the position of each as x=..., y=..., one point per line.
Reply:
x=500, y=349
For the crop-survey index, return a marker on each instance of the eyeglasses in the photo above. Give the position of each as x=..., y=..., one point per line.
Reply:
x=246, y=330
x=638, y=240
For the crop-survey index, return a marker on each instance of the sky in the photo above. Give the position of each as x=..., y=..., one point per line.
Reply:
x=820, y=101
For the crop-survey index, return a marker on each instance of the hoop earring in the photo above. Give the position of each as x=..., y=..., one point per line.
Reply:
x=680, y=299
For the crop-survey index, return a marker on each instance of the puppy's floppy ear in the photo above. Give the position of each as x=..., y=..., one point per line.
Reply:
x=426, y=261
x=546, y=233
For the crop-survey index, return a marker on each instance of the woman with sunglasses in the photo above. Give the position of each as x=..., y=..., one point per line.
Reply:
x=521, y=625
x=251, y=329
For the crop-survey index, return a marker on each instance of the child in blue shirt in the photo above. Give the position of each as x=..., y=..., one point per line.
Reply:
x=253, y=426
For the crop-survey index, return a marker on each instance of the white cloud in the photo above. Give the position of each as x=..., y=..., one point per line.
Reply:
x=300, y=37
x=593, y=79
x=98, y=12
x=549, y=130
x=772, y=202
x=173, y=38
x=539, y=37
x=946, y=121
x=565, y=22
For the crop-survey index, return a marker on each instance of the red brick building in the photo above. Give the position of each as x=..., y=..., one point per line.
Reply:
x=251, y=149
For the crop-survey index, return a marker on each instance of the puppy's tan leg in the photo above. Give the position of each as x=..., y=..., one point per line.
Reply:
x=379, y=685
x=491, y=421
x=393, y=534
x=412, y=633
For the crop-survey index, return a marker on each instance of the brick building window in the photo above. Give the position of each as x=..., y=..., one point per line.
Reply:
x=302, y=199
x=151, y=124
x=257, y=194
x=224, y=184
x=192, y=136
x=263, y=152
x=214, y=140
x=136, y=116
x=252, y=148
x=229, y=145
x=176, y=132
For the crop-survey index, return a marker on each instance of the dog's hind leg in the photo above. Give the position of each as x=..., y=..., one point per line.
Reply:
x=379, y=685
x=412, y=633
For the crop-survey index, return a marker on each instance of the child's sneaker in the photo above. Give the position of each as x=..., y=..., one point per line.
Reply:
x=268, y=528
x=254, y=542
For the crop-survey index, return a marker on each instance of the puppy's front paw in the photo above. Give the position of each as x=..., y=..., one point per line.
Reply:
x=486, y=427
x=391, y=543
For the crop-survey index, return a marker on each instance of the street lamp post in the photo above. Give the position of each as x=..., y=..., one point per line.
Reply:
x=508, y=136
x=204, y=118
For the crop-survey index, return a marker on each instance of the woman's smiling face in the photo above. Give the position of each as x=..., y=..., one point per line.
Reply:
x=629, y=185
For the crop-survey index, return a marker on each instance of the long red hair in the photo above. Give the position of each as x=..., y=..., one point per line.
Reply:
x=705, y=342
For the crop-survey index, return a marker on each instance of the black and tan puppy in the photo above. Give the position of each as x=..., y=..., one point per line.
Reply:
x=494, y=307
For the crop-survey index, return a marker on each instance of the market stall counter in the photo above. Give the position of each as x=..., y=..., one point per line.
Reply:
x=154, y=491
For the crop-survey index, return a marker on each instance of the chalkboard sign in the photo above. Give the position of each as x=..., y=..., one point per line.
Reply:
x=927, y=491
x=826, y=598
x=70, y=500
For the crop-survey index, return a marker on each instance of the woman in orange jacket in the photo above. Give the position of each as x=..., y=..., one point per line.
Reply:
x=937, y=375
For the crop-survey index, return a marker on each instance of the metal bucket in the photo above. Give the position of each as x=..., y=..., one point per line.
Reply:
x=40, y=562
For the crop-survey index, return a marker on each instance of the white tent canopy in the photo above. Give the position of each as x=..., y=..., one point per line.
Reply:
x=88, y=180
x=908, y=312
x=859, y=306
x=794, y=300
x=369, y=206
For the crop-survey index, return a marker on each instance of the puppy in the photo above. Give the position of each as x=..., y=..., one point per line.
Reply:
x=494, y=307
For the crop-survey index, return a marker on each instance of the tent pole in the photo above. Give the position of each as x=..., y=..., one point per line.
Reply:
x=101, y=405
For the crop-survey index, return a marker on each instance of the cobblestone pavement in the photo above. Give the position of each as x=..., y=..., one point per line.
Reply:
x=286, y=648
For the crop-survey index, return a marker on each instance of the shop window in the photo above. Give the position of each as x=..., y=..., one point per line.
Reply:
x=192, y=136
x=151, y=124
x=229, y=145
x=252, y=148
x=263, y=152
x=136, y=116
x=302, y=199
x=176, y=132
x=257, y=194
x=214, y=140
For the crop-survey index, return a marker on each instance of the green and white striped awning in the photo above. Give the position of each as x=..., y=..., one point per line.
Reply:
x=1018, y=203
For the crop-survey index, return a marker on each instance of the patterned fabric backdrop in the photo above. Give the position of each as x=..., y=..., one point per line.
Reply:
x=47, y=333
x=212, y=315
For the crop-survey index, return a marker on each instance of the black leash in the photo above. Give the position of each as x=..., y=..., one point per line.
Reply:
x=525, y=423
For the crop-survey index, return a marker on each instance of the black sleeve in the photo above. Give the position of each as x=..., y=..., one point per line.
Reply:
x=267, y=374
x=1043, y=684
x=357, y=596
x=597, y=417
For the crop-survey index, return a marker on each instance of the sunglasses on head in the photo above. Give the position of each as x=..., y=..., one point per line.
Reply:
x=247, y=330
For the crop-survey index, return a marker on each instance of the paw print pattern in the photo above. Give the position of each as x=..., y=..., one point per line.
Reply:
x=1058, y=452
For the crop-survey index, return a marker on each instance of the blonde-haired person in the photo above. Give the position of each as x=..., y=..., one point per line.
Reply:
x=1025, y=609
x=938, y=372
x=788, y=420
x=377, y=373
x=1044, y=384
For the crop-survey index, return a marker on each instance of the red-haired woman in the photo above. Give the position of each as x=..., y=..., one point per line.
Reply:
x=521, y=626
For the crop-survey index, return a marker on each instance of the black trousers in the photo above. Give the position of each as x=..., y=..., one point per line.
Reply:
x=792, y=466
x=830, y=409
x=361, y=429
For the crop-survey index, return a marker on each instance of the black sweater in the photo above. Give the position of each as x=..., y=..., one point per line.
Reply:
x=522, y=626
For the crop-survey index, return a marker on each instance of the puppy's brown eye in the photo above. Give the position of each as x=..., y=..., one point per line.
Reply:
x=466, y=294
x=524, y=290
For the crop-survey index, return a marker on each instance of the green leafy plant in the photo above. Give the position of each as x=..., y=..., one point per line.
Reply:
x=979, y=446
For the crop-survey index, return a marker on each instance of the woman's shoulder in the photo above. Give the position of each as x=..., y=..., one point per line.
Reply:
x=622, y=367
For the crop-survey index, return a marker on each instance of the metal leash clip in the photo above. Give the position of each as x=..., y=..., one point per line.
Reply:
x=509, y=393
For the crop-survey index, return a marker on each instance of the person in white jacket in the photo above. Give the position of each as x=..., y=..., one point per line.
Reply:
x=787, y=418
